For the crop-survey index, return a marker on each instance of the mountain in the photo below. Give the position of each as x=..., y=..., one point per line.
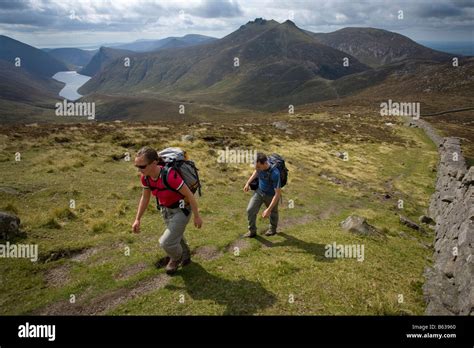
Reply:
x=273, y=61
x=376, y=47
x=21, y=85
x=103, y=57
x=27, y=92
x=442, y=84
x=74, y=58
x=169, y=42
x=33, y=60
x=26, y=97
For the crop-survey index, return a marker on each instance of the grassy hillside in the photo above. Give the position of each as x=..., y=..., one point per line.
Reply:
x=437, y=87
x=83, y=250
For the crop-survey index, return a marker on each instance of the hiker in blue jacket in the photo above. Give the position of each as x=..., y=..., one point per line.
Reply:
x=268, y=192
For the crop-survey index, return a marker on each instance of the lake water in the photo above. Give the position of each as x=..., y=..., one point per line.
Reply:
x=73, y=82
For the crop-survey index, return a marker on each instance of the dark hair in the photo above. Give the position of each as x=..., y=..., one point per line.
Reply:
x=149, y=153
x=261, y=158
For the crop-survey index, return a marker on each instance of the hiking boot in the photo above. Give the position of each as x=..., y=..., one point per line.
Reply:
x=250, y=234
x=186, y=261
x=172, y=266
x=162, y=262
x=270, y=233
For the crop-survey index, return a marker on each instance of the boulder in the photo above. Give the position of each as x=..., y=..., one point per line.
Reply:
x=280, y=125
x=407, y=222
x=358, y=225
x=187, y=137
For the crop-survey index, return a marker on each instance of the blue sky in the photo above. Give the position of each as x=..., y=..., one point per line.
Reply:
x=64, y=23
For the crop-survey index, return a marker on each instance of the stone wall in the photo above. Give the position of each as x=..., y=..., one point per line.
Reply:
x=449, y=286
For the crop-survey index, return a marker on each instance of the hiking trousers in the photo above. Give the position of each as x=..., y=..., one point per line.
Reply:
x=255, y=203
x=172, y=241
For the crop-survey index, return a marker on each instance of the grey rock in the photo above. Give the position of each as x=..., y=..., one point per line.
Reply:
x=358, y=225
x=407, y=222
x=426, y=220
x=280, y=125
x=468, y=179
x=447, y=198
x=448, y=289
x=187, y=137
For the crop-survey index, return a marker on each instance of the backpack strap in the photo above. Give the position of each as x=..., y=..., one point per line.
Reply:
x=147, y=181
x=164, y=177
x=270, y=171
x=199, y=182
x=165, y=172
x=271, y=181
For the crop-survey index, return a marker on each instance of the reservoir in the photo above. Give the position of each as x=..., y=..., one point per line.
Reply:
x=73, y=82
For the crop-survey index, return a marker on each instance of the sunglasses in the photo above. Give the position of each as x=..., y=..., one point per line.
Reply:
x=142, y=167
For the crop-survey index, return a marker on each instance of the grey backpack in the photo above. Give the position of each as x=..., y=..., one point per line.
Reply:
x=177, y=159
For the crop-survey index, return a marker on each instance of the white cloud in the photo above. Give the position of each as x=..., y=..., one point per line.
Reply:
x=49, y=22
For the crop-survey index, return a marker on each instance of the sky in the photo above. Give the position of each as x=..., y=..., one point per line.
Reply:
x=83, y=23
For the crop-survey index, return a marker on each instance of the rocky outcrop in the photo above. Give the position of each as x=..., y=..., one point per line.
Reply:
x=449, y=286
x=407, y=222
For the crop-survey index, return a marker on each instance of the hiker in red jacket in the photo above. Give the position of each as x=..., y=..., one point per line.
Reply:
x=174, y=206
